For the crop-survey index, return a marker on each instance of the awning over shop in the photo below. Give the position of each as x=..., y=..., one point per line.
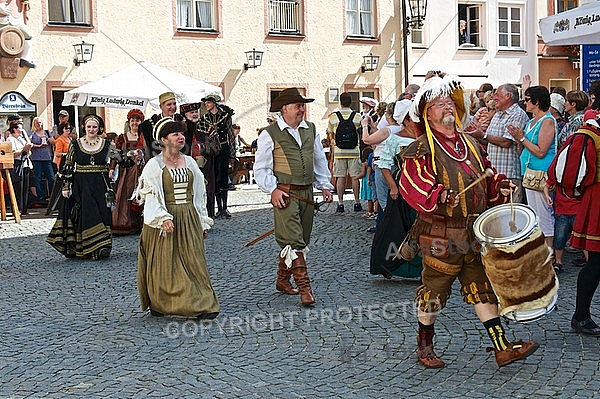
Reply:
x=580, y=25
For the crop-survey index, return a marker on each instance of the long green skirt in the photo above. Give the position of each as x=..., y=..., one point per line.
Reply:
x=172, y=274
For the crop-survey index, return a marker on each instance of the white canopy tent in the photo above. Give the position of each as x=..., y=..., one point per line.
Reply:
x=579, y=25
x=138, y=86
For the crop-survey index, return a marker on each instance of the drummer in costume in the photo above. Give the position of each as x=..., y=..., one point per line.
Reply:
x=577, y=168
x=289, y=161
x=436, y=166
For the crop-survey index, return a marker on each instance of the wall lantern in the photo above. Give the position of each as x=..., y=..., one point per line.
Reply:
x=370, y=63
x=418, y=9
x=254, y=58
x=83, y=53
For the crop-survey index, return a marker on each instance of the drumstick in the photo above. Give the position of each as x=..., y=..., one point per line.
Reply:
x=487, y=173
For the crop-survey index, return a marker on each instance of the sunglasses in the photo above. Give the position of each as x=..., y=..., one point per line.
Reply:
x=527, y=99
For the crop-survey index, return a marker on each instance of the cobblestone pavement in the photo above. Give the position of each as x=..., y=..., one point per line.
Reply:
x=72, y=328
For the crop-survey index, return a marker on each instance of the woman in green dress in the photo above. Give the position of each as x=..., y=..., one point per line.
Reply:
x=172, y=274
x=83, y=226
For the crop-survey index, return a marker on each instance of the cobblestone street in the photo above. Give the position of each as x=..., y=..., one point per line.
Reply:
x=73, y=328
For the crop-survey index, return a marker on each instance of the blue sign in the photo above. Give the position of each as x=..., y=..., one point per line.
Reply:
x=590, y=65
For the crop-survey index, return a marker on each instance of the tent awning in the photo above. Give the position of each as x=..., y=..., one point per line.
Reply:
x=137, y=86
x=580, y=25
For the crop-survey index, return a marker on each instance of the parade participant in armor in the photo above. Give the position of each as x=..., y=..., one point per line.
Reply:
x=127, y=217
x=218, y=119
x=168, y=107
x=436, y=166
x=82, y=228
x=280, y=169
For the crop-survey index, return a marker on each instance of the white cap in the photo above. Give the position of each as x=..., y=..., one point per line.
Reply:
x=401, y=109
x=557, y=102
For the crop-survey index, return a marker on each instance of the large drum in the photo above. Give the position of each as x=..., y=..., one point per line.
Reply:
x=517, y=262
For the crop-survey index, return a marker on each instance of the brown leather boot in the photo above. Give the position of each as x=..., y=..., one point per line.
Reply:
x=427, y=356
x=283, y=279
x=302, y=280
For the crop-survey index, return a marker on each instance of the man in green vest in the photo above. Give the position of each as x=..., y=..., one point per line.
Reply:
x=289, y=162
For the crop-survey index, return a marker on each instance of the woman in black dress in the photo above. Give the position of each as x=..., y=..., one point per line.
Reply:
x=83, y=226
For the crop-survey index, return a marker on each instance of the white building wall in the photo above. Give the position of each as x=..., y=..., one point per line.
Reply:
x=478, y=65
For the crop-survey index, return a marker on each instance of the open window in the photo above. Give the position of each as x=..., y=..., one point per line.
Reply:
x=470, y=25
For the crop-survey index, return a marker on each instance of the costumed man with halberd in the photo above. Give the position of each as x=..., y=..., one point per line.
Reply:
x=289, y=161
x=436, y=166
x=218, y=119
x=168, y=107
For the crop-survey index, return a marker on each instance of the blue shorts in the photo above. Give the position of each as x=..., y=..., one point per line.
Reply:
x=563, y=224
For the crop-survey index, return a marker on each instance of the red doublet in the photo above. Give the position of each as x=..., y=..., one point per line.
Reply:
x=579, y=175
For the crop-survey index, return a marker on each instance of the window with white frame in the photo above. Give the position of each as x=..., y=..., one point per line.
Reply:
x=510, y=27
x=75, y=12
x=285, y=17
x=360, y=20
x=196, y=14
x=473, y=33
x=564, y=5
x=416, y=37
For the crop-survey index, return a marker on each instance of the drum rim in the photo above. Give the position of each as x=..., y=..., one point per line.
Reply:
x=533, y=314
x=510, y=239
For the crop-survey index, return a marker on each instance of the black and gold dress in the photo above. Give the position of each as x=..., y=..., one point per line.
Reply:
x=83, y=226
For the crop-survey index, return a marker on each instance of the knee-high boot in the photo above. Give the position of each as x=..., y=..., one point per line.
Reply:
x=283, y=283
x=302, y=280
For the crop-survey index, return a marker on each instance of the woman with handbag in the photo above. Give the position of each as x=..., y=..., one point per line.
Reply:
x=83, y=226
x=20, y=173
x=538, y=143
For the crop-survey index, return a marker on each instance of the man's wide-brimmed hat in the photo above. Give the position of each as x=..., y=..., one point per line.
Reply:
x=289, y=96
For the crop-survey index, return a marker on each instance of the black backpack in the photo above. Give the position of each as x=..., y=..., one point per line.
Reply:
x=346, y=135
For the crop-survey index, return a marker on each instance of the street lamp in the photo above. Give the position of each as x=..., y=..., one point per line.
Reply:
x=254, y=58
x=83, y=53
x=418, y=9
x=370, y=63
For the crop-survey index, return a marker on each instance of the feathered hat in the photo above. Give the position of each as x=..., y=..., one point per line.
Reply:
x=441, y=84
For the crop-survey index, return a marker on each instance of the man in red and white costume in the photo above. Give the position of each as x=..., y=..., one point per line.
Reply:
x=576, y=172
x=436, y=166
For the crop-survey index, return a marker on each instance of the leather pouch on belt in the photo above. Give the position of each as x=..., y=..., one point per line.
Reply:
x=435, y=244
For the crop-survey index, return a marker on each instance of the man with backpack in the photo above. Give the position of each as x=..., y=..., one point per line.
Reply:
x=343, y=130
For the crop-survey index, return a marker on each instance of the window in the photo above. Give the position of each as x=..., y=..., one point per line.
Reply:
x=285, y=17
x=196, y=14
x=564, y=5
x=359, y=18
x=416, y=37
x=509, y=27
x=276, y=91
x=75, y=12
x=471, y=35
x=357, y=94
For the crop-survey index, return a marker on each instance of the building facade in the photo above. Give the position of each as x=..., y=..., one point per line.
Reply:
x=317, y=46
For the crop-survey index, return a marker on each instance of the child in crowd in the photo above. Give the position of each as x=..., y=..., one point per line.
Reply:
x=367, y=176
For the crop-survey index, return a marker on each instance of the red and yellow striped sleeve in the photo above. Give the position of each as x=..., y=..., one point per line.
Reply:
x=418, y=185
